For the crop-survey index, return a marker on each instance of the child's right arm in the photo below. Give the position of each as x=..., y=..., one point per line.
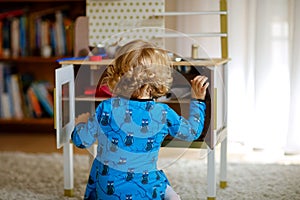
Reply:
x=190, y=129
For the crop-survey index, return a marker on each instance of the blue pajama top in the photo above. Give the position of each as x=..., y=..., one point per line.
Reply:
x=129, y=135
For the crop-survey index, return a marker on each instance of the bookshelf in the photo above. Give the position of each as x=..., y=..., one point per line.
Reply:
x=22, y=50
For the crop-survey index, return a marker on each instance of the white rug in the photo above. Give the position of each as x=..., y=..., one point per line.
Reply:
x=40, y=177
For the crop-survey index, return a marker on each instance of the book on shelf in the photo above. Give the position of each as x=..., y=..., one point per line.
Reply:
x=34, y=107
x=6, y=38
x=59, y=34
x=7, y=107
x=11, y=102
x=8, y=21
x=69, y=32
x=23, y=36
x=25, y=32
x=16, y=96
x=5, y=97
x=44, y=39
x=1, y=89
x=46, y=28
x=39, y=100
x=15, y=37
x=23, y=97
x=1, y=38
x=44, y=97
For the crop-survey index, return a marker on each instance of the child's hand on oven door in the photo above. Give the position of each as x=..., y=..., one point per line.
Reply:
x=199, y=86
x=82, y=118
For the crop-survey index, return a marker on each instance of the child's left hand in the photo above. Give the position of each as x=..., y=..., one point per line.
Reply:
x=82, y=118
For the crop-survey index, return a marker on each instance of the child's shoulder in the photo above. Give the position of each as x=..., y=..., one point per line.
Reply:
x=163, y=105
x=114, y=102
x=110, y=101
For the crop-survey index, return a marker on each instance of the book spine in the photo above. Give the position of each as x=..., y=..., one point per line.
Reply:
x=7, y=20
x=34, y=102
x=1, y=38
x=53, y=42
x=15, y=37
x=8, y=91
x=60, y=35
x=43, y=96
x=23, y=36
x=4, y=98
x=69, y=32
x=16, y=96
x=1, y=88
x=6, y=106
x=6, y=38
x=38, y=34
x=45, y=33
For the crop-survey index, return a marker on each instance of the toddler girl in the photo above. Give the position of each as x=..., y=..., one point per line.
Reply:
x=130, y=126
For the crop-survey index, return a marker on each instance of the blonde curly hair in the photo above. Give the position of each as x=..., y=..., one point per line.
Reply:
x=140, y=68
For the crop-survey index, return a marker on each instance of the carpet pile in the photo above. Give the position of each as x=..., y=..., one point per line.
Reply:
x=40, y=177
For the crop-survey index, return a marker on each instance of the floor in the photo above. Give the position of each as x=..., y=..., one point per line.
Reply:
x=31, y=143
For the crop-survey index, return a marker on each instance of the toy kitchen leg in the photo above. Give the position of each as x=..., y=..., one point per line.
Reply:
x=223, y=164
x=68, y=170
x=211, y=175
x=223, y=156
x=211, y=160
